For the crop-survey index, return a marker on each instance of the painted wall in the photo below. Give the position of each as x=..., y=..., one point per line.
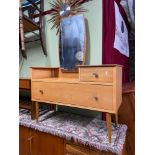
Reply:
x=35, y=56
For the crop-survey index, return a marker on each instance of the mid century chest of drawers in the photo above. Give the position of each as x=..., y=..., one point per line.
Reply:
x=96, y=88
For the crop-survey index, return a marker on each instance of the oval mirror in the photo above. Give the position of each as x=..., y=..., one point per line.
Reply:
x=72, y=43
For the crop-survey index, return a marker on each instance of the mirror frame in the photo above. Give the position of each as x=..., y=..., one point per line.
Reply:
x=84, y=50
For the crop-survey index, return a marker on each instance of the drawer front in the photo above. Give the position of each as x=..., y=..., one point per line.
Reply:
x=86, y=95
x=96, y=74
x=54, y=92
x=95, y=96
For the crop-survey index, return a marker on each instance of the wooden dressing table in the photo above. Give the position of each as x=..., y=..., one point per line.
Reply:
x=96, y=88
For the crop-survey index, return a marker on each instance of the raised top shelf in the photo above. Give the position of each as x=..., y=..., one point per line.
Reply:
x=102, y=74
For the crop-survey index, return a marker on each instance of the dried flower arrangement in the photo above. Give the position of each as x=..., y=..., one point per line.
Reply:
x=64, y=8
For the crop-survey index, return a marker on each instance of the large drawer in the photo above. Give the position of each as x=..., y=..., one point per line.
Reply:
x=96, y=74
x=77, y=94
x=54, y=92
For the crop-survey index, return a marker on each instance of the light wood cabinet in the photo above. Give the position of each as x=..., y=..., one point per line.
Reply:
x=82, y=90
x=93, y=87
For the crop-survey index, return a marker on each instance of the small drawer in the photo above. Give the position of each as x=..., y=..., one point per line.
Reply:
x=96, y=74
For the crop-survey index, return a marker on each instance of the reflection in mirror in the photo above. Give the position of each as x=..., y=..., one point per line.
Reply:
x=72, y=42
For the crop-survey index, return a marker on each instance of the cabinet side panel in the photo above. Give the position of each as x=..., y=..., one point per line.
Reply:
x=119, y=87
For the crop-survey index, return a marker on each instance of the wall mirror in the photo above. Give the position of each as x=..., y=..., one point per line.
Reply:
x=72, y=42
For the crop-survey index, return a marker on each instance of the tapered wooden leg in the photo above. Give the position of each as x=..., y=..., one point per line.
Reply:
x=108, y=120
x=37, y=111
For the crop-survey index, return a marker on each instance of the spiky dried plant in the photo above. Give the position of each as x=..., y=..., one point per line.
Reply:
x=64, y=8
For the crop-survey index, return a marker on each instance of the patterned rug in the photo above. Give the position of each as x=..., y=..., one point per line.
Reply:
x=88, y=131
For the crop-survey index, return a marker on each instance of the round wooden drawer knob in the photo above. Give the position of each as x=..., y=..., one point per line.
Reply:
x=95, y=75
x=95, y=98
x=41, y=91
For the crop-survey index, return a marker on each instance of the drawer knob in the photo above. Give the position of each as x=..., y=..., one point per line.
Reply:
x=41, y=91
x=95, y=98
x=95, y=75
